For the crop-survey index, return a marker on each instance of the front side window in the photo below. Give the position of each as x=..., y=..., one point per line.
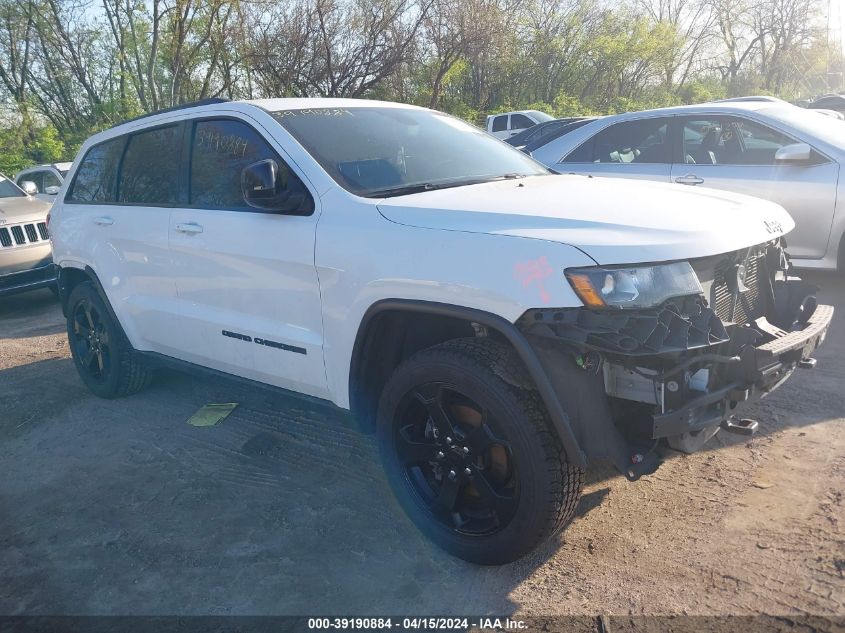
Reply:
x=730, y=141
x=385, y=151
x=521, y=122
x=221, y=149
x=642, y=141
x=701, y=139
x=500, y=123
x=149, y=174
x=96, y=176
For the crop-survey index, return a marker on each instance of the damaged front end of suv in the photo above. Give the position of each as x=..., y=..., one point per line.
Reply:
x=671, y=351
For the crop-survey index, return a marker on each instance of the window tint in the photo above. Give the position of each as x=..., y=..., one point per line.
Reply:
x=149, y=173
x=96, y=176
x=521, y=122
x=220, y=150
x=500, y=123
x=643, y=141
x=730, y=141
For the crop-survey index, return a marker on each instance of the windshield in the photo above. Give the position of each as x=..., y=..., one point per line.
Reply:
x=8, y=189
x=382, y=151
x=820, y=126
x=541, y=117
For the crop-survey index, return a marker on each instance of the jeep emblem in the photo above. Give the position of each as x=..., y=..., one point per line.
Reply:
x=773, y=226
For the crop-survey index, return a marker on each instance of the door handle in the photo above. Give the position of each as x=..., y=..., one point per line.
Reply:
x=689, y=179
x=191, y=228
x=104, y=220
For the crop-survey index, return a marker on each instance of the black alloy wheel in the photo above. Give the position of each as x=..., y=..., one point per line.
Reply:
x=91, y=343
x=105, y=360
x=455, y=459
x=470, y=453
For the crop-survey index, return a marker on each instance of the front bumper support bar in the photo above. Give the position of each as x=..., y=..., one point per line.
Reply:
x=762, y=368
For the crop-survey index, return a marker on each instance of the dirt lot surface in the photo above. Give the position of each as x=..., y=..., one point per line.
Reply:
x=120, y=507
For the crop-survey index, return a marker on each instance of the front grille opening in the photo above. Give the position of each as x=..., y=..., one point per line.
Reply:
x=738, y=307
x=17, y=233
x=5, y=237
x=42, y=231
x=31, y=233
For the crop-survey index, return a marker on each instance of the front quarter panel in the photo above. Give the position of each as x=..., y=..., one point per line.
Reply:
x=363, y=258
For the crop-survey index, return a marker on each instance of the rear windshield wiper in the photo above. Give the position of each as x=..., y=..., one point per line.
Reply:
x=407, y=190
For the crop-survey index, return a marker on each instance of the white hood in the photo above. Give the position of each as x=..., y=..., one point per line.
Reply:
x=614, y=221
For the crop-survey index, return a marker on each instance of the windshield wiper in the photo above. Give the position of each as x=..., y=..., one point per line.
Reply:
x=407, y=190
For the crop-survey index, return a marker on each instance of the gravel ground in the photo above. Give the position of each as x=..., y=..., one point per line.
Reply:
x=120, y=507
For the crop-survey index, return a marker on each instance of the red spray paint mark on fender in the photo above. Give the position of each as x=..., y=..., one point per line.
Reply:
x=534, y=271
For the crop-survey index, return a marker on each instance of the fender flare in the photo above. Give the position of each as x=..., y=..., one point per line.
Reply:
x=64, y=293
x=558, y=415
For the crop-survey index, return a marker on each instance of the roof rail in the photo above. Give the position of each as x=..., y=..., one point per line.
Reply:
x=181, y=106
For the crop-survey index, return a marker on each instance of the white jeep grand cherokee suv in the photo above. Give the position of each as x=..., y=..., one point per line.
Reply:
x=496, y=325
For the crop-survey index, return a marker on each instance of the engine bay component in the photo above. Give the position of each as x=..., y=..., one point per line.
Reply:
x=678, y=325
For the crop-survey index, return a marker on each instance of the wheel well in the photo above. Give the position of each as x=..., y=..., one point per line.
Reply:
x=390, y=337
x=69, y=278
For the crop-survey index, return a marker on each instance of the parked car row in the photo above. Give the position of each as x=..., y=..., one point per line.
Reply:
x=498, y=327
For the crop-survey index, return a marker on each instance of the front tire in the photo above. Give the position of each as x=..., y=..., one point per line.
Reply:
x=470, y=454
x=105, y=360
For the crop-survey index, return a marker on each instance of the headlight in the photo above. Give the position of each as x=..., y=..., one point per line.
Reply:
x=636, y=287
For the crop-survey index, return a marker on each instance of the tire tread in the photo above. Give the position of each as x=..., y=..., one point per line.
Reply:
x=504, y=369
x=133, y=372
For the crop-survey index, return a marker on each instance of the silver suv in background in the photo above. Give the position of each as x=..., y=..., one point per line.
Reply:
x=771, y=150
x=47, y=179
x=26, y=261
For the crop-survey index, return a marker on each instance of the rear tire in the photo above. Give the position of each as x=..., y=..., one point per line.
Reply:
x=470, y=453
x=105, y=360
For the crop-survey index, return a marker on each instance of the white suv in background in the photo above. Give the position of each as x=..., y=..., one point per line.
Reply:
x=496, y=325
x=47, y=179
x=507, y=124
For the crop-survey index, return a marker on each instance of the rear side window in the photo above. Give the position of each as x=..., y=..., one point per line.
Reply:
x=500, y=123
x=521, y=122
x=96, y=177
x=220, y=149
x=642, y=141
x=150, y=171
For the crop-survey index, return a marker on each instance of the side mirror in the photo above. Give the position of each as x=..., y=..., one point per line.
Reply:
x=51, y=190
x=265, y=186
x=795, y=153
x=29, y=188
